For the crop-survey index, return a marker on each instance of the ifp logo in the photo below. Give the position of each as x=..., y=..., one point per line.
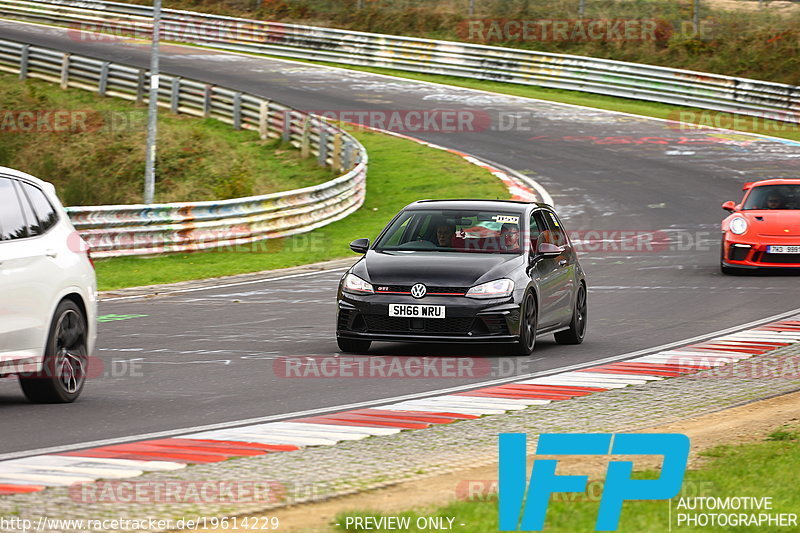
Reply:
x=522, y=510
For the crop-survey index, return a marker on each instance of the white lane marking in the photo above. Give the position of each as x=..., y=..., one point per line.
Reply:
x=523, y=378
x=225, y=285
x=322, y=428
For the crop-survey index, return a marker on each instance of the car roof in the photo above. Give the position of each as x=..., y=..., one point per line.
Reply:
x=13, y=173
x=470, y=203
x=776, y=181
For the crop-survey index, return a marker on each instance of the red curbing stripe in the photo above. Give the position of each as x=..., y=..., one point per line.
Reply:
x=133, y=456
x=756, y=346
x=254, y=445
x=198, y=446
x=719, y=348
x=18, y=489
x=344, y=419
x=401, y=416
x=553, y=388
x=632, y=372
x=669, y=367
x=148, y=455
x=513, y=395
x=423, y=416
x=523, y=393
x=334, y=422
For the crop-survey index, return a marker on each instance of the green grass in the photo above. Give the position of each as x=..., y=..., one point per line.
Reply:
x=766, y=469
x=400, y=172
x=97, y=157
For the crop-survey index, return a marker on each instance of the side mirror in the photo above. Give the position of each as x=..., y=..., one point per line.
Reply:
x=546, y=249
x=360, y=246
x=729, y=206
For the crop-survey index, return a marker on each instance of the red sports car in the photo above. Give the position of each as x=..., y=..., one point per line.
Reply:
x=764, y=230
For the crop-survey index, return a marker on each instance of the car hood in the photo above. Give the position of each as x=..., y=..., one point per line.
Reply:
x=768, y=222
x=453, y=269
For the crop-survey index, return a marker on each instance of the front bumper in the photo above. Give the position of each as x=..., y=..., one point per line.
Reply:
x=466, y=320
x=754, y=255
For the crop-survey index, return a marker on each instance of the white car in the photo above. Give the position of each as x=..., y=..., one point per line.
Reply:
x=48, y=292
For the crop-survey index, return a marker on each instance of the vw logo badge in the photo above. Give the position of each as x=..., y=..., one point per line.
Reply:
x=418, y=290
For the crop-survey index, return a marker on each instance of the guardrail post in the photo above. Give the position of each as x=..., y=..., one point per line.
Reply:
x=23, y=61
x=337, y=151
x=348, y=155
x=175, y=95
x=237, y=110
x=140, y=87
x=65, y=71
x=305, y=139
x=263, y=120
x=207, y=92
x=103, y=79
x=287, y=126
x=323, y=146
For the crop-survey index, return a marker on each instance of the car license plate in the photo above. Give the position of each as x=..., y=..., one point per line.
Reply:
x=783, y=249
x=416, y=311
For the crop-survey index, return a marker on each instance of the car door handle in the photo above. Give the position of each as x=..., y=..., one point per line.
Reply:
x=51, y=253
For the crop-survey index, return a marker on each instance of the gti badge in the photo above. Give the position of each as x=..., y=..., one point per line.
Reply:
x=418, y=290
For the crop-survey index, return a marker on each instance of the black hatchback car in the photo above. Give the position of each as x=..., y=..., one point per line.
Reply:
x=464, y=271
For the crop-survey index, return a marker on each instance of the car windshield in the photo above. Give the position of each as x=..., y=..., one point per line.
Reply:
x=466, y=231
x=773, y=197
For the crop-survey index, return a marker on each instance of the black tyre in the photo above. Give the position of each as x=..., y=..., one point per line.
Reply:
x=65, y=363
x=529, y=320
x=353, y=345
x=577, y=327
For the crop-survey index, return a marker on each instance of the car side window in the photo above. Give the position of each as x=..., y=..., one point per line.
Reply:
x=27, y=210
x=12, y=221
x=557, y=234
x=45, y=213
x=537, y=226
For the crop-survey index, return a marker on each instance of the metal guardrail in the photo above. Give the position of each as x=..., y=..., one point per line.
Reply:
x=615, y=78
x=118, y=230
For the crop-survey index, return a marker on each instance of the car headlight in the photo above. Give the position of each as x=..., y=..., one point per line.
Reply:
x=499, y=288
x=353, y=283
x=738, y=225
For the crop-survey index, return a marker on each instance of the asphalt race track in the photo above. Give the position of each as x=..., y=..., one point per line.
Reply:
x=213, y=356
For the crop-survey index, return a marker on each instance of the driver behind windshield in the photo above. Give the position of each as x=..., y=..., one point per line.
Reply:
x=774, y=201
x=509, y=236
x=445, y=234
